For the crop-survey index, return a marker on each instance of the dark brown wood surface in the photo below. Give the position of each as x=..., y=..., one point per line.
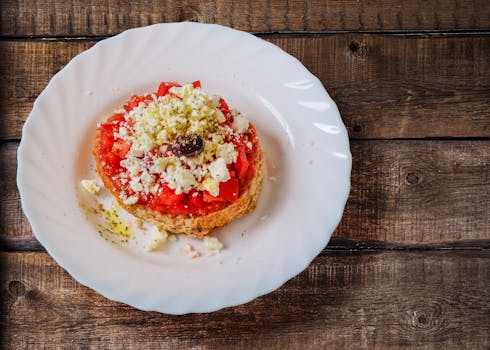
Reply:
x=385, y=86
x=108, y=17
x=343, y=300
x=409, y=264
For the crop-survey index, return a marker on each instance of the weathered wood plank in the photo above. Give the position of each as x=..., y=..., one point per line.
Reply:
x=107, y=17
x=385, y=86
x=389, y=300
x=403, y=193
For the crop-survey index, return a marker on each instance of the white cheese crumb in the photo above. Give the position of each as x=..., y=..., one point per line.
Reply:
x=212, y=186
x=219, y=171
x=130, y=200
x=221, y=117
x=272, y=178
x=240, y=124
x=212, y=245
x=158, y=238
x=191, y=252
x=249, y=145
x=91, y=186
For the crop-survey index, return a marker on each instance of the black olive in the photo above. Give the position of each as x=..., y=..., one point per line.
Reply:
x=187, y=145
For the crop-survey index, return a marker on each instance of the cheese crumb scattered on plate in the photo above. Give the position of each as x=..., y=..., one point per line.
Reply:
x=158, y=238
x=212, y=245
x=91, y=186
x=191, y=252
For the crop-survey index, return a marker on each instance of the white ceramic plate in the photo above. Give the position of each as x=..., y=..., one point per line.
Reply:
x=305, y=142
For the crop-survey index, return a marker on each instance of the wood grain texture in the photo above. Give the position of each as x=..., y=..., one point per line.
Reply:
x=389, y=300
x=108, y=17
x=403, y=193
x=385, y=86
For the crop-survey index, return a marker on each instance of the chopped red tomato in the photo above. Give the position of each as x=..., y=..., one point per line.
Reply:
x=208, y=198
x=112, y=160
x=164, y=88
x=242, y=162
x=223, y=106
x=168, y=197
x=116, y=118
x=106, y=138
x=133, y=102
x=121, y=148
x=229, y=190
x=148, y=98
x=196, y=199
x=196, y=84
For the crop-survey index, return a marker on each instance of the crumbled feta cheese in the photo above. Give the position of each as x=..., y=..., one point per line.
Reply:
x=249, y=145
x=221, y=117
x=212, y=245
x=130, y=200
x=219, y=171
x=91, y=186
x=240, y=123
x=158, y=238
x=211, y=186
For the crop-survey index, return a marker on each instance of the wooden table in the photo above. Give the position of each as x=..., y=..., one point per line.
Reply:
x=409, y=265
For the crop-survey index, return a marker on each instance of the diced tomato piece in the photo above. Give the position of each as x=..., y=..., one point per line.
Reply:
x=196, y=200
x=116, y=118
x=196, y=84
x=165, y=87
x=133, y=102
x=229, y=190
x=148, y=98
x=207, y=197
x=121, y=148
x=144, y=198
x=112, y=160
x=168, y=197
x=223, y=106
x=242, y=163
x=106, y=138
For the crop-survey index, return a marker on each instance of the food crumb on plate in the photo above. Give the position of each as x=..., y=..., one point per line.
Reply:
x=191, y=252
x=138, y=223
x=158, y=239
x=272, y=178
x=264, y=217
x=91, y=186
x=212, y=245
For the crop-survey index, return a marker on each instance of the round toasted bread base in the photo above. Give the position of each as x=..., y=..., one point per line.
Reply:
x=194, y=226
